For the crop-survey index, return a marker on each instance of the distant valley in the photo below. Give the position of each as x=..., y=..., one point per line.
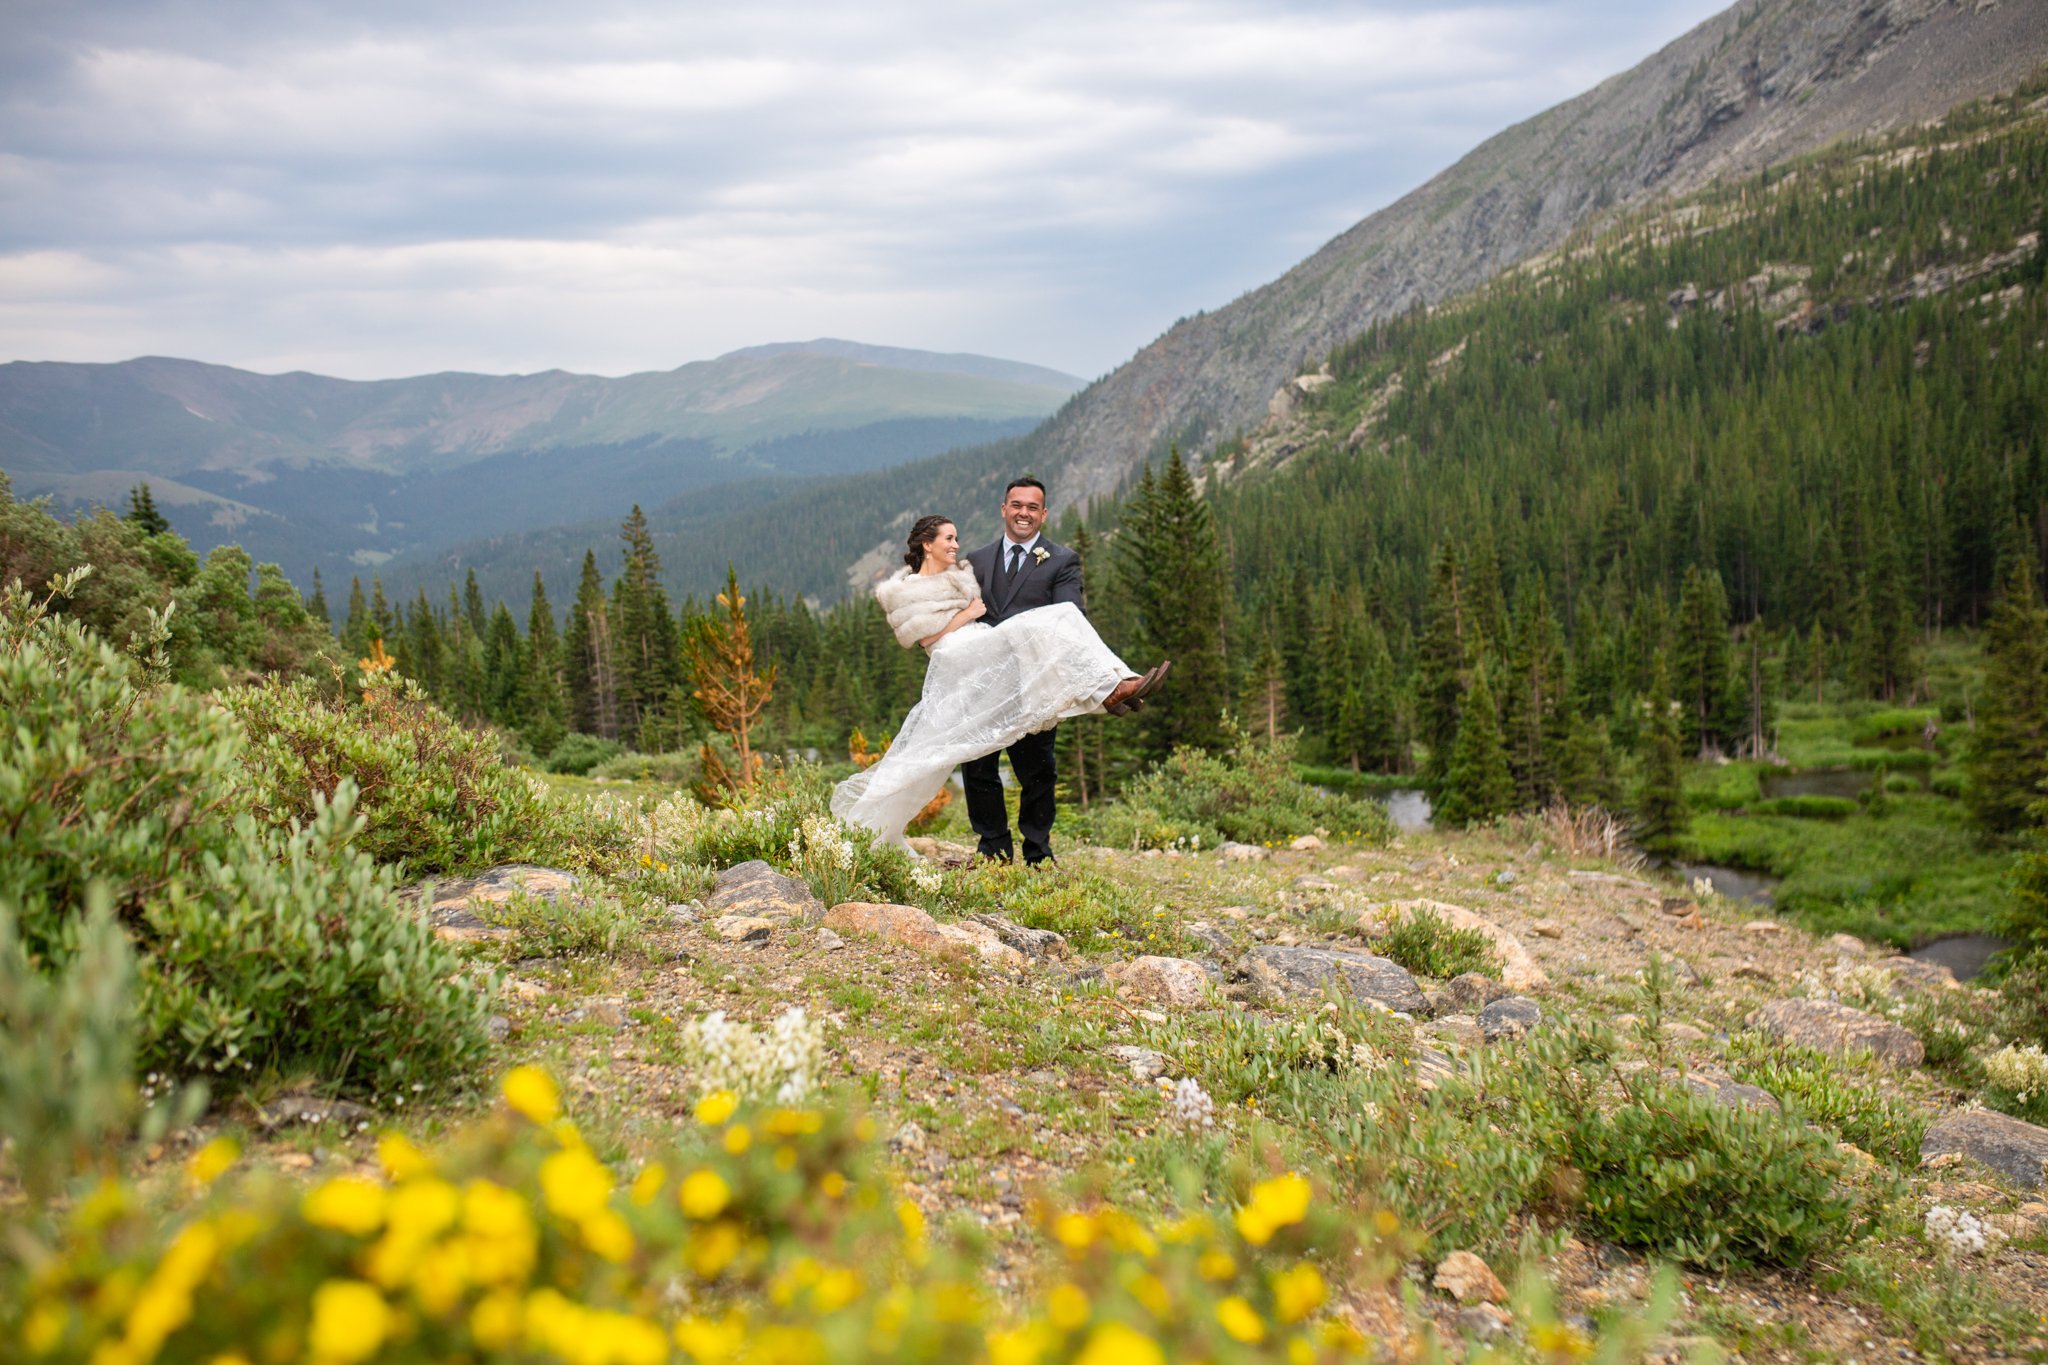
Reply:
x=344, y=476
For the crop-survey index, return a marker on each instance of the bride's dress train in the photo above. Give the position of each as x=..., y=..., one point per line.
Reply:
x=986, y=688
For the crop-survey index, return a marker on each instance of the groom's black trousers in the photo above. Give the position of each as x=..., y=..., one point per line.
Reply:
x=1032, y=759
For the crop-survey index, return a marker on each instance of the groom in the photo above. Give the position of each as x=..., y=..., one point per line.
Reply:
x=1021, y=571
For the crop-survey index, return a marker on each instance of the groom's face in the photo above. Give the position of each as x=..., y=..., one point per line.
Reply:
x=1023, y=513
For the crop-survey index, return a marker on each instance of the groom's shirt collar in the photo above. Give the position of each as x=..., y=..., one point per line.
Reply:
x=1003, y=545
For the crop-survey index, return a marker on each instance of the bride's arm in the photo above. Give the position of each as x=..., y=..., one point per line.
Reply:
x=973, y=611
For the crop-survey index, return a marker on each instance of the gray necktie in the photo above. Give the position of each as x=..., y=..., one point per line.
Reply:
x=1016, y=559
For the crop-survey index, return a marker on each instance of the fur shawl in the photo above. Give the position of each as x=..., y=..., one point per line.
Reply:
x=920, y=605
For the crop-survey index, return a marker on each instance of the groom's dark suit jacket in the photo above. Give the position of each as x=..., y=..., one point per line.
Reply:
x=1038, y=583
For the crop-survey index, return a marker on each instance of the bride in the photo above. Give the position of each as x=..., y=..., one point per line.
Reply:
x=986, y=687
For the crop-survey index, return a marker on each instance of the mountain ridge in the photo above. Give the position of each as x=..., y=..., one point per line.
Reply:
x=1761, y=82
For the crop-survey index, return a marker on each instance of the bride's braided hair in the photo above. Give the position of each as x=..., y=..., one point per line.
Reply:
x=923, y=532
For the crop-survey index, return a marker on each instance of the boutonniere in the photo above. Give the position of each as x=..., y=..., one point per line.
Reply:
x=1040, y=553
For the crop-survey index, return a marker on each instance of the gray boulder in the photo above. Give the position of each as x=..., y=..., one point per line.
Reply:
x=461, y=909
x=1036, y=944
x=757, y=890
x=1509, y=1018
x=2015, y=1149
x=1469, y=993
x=1839, y=1030
x=1283, y=973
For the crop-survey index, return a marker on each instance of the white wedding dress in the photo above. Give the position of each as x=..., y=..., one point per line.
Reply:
x=986, y=688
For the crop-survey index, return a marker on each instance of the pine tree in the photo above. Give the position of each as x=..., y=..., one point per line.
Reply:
x=587, y=658
x=644, y=636
x=1700, y=661
x=2008, y=759
x=504, y=669
x=1267, y=700
x=1660, y=816
x=1478, y=785
x=731, y=690
x=356, y=629
x=1532, y=718
x=1440, y=667
x=473, y=605
x=316, y=605
x=143, y=513
x=1171, y=563
x=543, y=703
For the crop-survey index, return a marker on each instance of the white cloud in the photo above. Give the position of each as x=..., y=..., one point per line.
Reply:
x=385, y=189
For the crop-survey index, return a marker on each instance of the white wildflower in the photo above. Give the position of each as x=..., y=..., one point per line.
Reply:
x=2022, y=1070
x=781, y=1063
x=1192, y=1107
x=1956, y=1232
x=927, y=880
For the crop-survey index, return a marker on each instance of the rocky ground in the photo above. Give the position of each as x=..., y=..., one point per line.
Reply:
x=1003, y=1061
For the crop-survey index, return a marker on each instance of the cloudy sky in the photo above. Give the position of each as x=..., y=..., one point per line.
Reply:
x=381, y=188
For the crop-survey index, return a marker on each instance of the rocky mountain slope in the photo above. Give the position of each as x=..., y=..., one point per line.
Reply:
x=1761, y=82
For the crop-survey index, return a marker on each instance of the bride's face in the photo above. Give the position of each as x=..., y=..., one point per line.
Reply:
x=944, y=550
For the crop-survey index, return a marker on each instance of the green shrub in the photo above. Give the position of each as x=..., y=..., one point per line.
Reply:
x=1425, y=943
x=577, y=754
x=299, y=957
x=1673, y=1171
x=1809, y=807
x=570, y=926
x=433, y=795
x=1881, y=725
x=676, y=770
x=1249, y=792
x=68, y=1097
x=1708, y=1185
x=2023, y=996
x=260, y=950
x=1949, y=782
x=1813, y=1086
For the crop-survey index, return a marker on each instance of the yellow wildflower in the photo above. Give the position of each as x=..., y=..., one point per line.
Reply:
x=1067, y=1305
x=45, y=1328
x=713, y=1248
x=1149, y=1290
x=503, y=1242
x=1215, y=1264
x=738, y=1138
x=1019, y=1347
x=709, y=1342
x=531, y=1091
x=1560, y=1341
x=497, y=1320
x=1298, y=1292
x=400, y=1159
x=605, y=1233
x=1275, y=1204
x=350, y=1320
x=1241, y=1320
x=442, y=1277
x=834, y=1290
x=1300, y=1351
x=832, y=1185
x=647, y=1185
x=575, y=1184
x=213, y=1160
x=716, y=1107
x=704, y=1194
x=1115, y=1344
x=1386, y=1222
x=1075, y=1231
